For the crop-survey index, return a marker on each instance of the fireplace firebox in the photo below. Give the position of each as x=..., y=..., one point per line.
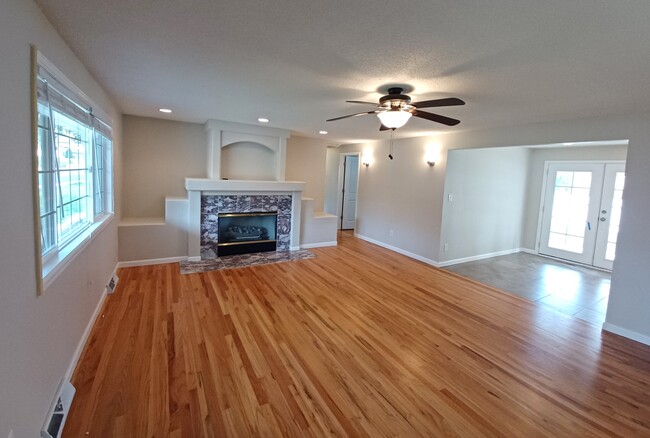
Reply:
x=242, y=233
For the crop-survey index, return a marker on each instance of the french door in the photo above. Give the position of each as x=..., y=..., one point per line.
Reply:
x=582, y=211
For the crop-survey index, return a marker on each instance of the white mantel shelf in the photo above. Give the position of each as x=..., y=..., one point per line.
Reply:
x=221, y=185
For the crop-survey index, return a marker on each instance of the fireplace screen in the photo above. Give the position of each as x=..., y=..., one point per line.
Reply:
x=241, y=233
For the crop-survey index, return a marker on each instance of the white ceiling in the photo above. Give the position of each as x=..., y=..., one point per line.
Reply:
x=297, y=61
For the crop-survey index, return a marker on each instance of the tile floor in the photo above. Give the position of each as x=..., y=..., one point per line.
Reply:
x=571, y=289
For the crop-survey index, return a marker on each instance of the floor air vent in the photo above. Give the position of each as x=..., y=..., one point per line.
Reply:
x=112, y=284
x=58, y=411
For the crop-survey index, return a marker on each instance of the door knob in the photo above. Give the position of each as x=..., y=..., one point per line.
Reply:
x=602, y=219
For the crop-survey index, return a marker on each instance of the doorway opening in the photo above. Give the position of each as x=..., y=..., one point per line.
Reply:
x=348, y=188
x=492, y=232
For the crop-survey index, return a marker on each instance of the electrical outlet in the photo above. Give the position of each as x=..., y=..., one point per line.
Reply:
x=450, y=197
x=446, y=247
x=390, y=233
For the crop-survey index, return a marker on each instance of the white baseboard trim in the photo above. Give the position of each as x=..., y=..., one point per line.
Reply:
x=626, y=333
x=479, y=257
x=529, y=251
x=153, y=261
x=399, y=250
x=84, y=336
x=318, y=245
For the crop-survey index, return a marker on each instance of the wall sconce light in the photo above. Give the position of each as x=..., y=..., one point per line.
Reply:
x=431, y=153
x=365, y=157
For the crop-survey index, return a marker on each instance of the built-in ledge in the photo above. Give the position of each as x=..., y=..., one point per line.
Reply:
x=140, y=221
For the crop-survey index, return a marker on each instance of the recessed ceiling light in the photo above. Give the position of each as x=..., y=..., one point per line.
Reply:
x=165, y=110
x=263, y=120
x=322, y=132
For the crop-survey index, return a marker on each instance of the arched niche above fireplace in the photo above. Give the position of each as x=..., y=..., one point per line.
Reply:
x=245, y=160
x=245, y=152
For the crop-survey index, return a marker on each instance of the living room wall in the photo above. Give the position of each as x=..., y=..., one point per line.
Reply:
x=484, y=202
x=39, y=335
x=399, y=202
x=159, y=154
x=306, y=159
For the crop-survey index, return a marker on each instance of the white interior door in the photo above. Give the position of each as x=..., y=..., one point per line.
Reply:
x=350, y=184
x=581, y=212
x=609, y=216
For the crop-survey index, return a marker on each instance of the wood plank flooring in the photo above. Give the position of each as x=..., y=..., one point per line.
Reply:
x=359, y=341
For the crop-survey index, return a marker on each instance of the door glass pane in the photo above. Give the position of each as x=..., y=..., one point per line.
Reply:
x=620, y=181
x=615, y=216
x=582, y=179
x=569, y=211
x=563, y=179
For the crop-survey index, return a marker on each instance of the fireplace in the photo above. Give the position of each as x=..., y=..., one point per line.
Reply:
x=209, y=198
x=242, y=233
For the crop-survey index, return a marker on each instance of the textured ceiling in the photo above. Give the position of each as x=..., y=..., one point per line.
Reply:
x=297, y=61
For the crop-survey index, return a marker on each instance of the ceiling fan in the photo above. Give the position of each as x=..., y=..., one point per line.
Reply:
x=395, y=109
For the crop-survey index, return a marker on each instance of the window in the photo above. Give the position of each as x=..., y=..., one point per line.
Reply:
x=74, y=167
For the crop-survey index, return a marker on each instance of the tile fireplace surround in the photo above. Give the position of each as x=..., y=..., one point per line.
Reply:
x=209, y=197
x=212, y=205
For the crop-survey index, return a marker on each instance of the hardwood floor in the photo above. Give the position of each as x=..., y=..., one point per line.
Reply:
x=359, y=341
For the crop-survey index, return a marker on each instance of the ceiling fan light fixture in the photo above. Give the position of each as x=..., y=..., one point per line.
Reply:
x=394, y=118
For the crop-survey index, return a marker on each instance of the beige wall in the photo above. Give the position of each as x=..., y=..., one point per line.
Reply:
x=399, y=200
x=306, y=161
x=39, y=335
x=331, y=181
x=486, y=212
x=158, y=156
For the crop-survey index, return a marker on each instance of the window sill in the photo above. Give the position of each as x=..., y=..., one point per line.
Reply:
x=55, y=265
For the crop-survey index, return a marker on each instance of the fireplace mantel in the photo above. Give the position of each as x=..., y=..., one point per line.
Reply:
x=197, y=187
x=229, y=186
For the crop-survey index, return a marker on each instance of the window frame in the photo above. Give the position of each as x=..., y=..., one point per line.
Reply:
x=97, y=214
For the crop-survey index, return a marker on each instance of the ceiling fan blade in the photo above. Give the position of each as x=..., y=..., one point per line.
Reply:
x=383, y=127
x=361, y=101
x=449, y=101
x=436, y=118
x=351, y=115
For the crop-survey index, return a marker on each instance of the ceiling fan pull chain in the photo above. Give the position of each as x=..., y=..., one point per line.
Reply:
x=390, y=150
